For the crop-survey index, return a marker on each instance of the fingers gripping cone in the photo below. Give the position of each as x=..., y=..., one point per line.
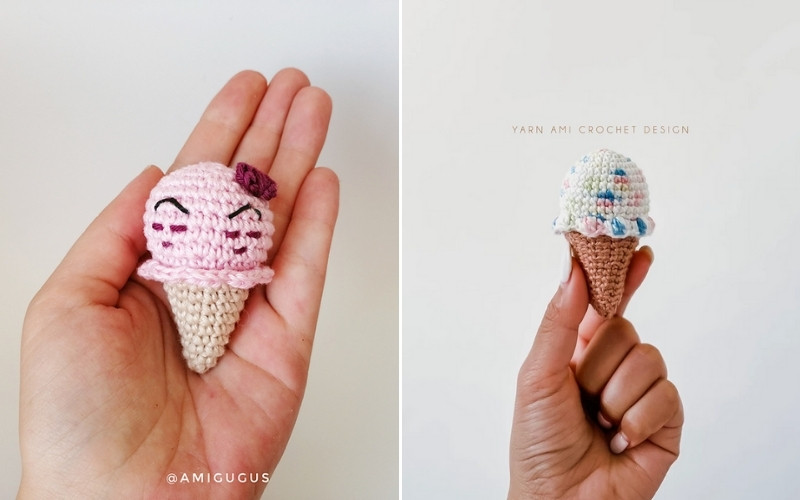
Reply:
x=605, y=207
x=205, y=318
x=604, y=261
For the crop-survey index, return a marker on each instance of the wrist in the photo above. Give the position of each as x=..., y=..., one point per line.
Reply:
x=552, y=488
x=517, y=491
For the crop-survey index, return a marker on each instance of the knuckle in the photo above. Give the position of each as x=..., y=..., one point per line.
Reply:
x=531, y=372
x=551, y=315
x=635, y=428
x=621, y=327
x=620, y=323
x=525, y=375
x=649, y=354
x=610, y=409
x=528, y=374
x=671, y=395
x=533, y=383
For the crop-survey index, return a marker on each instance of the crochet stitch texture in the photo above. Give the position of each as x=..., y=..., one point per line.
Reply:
x=605, y=193
x=605, y=207
x=208, y=230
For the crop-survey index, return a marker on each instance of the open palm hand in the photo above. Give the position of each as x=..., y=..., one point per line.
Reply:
x=108, y=406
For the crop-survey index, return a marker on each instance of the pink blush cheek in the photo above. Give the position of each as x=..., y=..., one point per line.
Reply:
x=264, y=242
x=239, y=250
x=154, y=238
x=228, y=241
x=168, y=236
x=258, y=249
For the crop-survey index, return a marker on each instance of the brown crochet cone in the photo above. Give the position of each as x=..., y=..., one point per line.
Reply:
x=205, y=317
x=605, y=263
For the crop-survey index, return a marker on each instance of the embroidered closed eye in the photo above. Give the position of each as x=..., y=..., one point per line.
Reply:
x=172, y=201
x=243, y=209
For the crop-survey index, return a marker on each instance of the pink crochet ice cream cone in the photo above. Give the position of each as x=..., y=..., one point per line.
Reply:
x=605, y=208
x=208, y=229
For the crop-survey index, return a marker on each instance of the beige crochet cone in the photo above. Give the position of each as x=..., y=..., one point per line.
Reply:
x=205, y=317
x=605, y=262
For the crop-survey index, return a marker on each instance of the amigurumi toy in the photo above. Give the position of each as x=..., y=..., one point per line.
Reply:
x=605, y=208
x=208, y=229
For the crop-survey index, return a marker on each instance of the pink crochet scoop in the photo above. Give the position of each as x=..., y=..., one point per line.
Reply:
x=209, y=225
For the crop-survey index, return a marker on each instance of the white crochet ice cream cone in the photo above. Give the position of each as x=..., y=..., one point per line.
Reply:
x=605, y=208
x=205, y=318
x=208, y=229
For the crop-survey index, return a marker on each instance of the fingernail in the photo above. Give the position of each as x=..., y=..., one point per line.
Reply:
x=566, y=263
x=603, y=421
x=619, y=443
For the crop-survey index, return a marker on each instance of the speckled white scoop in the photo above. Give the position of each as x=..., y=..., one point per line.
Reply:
x=605, y=193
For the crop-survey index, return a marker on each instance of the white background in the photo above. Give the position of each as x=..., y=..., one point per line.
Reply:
x=480, y=263
x=91, y=92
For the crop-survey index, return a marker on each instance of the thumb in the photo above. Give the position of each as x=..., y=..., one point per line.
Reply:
x=104, y=257
x=558, y=333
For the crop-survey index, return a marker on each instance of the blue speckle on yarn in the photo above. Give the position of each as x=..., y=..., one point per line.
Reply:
x=606, y=195
x=600, y=218
x=642, y=226
x=572, y=169
x=617, y=227
x=585, y=158
x=619, y=171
